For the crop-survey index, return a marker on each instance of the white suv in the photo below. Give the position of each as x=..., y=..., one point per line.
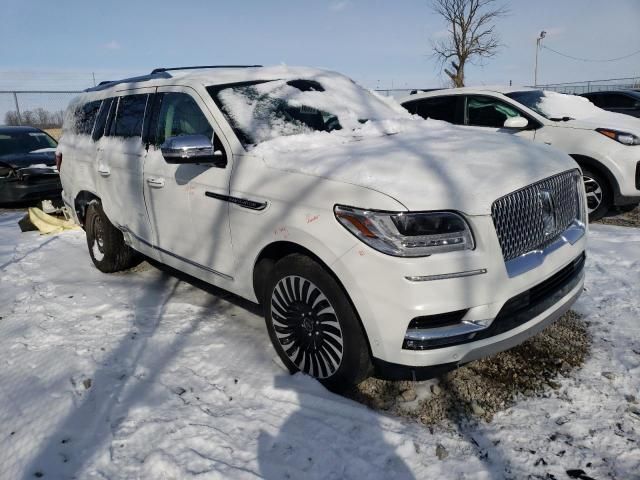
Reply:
x=606, y=145
x=377, y=242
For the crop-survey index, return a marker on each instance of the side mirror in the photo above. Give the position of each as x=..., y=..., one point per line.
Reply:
x=516, y=122
x=191, y=149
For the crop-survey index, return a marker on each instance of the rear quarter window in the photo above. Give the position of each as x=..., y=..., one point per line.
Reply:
x=83, y=117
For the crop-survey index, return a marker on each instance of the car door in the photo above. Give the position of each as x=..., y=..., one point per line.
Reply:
x=188, y=223
x=120, y=164
x=488, y=113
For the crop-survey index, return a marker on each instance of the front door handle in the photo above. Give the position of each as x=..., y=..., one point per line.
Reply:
x=104, y=170
x=155, y=182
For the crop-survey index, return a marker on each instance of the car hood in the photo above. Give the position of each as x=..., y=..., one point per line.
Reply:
x=615, y=121
x=44, y=158
x=425, y=165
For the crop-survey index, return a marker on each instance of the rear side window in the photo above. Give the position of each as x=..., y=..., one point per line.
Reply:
x=101, y=121
x=85, y=116
x=438, y=108
x=129, y=116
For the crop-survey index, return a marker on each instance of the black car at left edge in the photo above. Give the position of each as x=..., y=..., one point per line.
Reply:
x=27, y=166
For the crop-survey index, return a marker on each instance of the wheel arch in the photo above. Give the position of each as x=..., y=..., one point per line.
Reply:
x=593, y=164
x=270, y=254
x=273, y=252
x=81, y=202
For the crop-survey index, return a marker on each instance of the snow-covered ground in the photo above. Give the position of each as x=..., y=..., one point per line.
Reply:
x=145, y=375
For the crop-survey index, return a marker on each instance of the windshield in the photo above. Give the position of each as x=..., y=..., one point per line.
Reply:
x=262, y=110
x=24, y=142
x=531, y=99
x=559, y=106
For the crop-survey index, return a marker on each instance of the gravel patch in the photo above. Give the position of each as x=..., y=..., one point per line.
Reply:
x=482, y=388
x=621, y=218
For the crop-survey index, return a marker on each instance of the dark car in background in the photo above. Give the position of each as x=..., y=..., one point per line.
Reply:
x=619, y=101
x=27, y=166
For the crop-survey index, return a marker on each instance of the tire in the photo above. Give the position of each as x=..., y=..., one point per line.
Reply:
x=107, y=248
x=304, y=302
x=599, y=195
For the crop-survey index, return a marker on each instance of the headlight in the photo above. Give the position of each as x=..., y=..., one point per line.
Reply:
x=407, y=234
x=621, y=137
x=5, y=170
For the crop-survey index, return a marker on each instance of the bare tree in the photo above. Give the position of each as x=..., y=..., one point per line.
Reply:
x=471, y=34
x=38, y=117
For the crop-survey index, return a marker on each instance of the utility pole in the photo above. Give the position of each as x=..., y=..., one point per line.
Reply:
x=15, y=99
x=535, y=69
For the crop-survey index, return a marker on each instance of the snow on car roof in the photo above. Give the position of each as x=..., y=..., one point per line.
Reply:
x=214, y=76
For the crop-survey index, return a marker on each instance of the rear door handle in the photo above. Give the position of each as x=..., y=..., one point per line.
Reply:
x=104, y=171
x=155, y=182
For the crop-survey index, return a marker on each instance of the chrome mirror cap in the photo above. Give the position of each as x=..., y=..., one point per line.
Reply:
x=189, y=149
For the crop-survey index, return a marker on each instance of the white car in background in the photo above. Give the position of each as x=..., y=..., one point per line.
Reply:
x=606, y=145
x=377, y=242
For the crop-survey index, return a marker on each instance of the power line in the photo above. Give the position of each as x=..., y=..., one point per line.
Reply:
x=590, y=59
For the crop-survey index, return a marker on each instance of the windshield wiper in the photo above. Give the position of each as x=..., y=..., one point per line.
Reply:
x=563, y=119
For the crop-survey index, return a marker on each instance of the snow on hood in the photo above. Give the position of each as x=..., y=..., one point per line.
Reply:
x=27, y=160
x=586, y=114
x=424, y=164
x=41, y=165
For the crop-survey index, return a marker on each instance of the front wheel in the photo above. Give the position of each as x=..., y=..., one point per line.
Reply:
x=598, y=195
x=313, y=326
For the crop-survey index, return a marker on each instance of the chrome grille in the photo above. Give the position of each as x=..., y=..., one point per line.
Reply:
x=520, y=220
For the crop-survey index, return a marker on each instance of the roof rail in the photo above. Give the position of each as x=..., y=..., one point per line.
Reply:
x=160, y=70
x=110, y=83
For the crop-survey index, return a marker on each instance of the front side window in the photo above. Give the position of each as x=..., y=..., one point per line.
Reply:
x=437, y=108
x=179, y=114
x=129, y=116
x=488, y=112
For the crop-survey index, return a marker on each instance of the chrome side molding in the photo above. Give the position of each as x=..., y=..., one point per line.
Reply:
x=443, y=276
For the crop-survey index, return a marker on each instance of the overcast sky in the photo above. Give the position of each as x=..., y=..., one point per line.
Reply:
x=57, y=44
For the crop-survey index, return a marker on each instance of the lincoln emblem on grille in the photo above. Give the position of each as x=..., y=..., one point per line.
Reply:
x=548, y=212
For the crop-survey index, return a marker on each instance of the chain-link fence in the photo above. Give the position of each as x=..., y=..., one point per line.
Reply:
x=42, y=109
x=593, y=85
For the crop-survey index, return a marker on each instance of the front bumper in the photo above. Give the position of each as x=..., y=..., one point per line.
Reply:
x=387, y=301
x=46, y=187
